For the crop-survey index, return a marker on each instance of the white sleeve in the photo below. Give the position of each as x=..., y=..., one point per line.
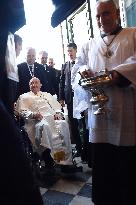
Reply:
x=81, y=101
x=22, y=108
x=81, y=62
x=128, y=69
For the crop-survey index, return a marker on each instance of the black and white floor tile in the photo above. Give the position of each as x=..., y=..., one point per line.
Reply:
x=70, y=189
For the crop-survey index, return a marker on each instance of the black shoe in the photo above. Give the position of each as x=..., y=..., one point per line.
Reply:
x=36, y=157
x=89, y=165
x=71, y=169
x=84, y=154
x=47, y=158
x=48, y=171
x=84, y=159
x=45, y=177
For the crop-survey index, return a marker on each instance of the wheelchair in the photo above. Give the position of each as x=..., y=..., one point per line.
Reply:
x=44, y=167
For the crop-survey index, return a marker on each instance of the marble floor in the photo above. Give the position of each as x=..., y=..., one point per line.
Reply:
x=69, y=189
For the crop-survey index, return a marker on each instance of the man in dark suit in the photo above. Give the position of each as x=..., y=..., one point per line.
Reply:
x=57, y=74
x=50, y=73
x=30, y=69
x=66, y=95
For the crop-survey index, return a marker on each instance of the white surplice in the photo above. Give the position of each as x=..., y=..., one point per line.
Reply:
x=118, y=127
x=50, y=133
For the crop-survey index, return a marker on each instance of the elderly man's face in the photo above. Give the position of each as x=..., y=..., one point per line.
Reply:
x=50, y=63
x=107, y=16
x=43, y=58
x=31, y=56
x=35, y=85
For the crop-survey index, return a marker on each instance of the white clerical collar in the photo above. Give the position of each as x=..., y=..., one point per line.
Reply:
x=37, y=94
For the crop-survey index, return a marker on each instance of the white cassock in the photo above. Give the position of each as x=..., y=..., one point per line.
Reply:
x=49, y=133
x=118, y=127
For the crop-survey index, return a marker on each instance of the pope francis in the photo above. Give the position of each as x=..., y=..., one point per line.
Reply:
x=44, y=122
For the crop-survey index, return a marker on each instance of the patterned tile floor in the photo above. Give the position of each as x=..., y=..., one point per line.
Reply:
x=69, y=189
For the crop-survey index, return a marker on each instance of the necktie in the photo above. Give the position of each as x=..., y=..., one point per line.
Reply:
x=31, y=70
x=44, y=66
x=73, y=62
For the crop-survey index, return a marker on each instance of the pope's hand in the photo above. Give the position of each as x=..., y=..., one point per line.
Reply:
x=62, y=103
x=37, y=116
x=58, y=116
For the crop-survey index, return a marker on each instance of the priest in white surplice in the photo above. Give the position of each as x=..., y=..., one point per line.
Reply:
x=113, y=135
x=44, y=122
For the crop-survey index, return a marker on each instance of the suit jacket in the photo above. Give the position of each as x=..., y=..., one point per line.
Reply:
x=65, y=92
x=25, y=76
x=58, y=74
x=51, y=80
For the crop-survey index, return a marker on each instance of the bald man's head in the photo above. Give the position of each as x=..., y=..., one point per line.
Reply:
x=35, y=85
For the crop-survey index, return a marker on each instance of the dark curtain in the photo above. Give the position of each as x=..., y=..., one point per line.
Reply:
x=63, y=9
x=12, y=18
x=12, y=15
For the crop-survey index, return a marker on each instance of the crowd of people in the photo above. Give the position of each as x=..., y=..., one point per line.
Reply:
x=106, y=142
x=55, y=82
